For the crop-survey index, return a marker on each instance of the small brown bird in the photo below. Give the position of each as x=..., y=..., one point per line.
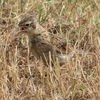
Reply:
x=42, y=42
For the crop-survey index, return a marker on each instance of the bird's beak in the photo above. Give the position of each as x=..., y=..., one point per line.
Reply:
x=22, y=28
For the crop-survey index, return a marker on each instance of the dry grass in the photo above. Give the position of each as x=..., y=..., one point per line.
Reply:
x=21, y=78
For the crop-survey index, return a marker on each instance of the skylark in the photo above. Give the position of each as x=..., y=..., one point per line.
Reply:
x=43, y=43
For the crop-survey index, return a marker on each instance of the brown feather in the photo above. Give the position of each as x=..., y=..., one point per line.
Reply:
x=41, y=41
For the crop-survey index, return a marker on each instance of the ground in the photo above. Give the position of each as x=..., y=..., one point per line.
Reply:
x=22, y=78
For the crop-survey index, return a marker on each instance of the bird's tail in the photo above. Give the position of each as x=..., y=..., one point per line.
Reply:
x=63, y=58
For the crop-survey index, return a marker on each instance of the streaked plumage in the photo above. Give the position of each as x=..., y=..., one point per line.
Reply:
x=41, y=41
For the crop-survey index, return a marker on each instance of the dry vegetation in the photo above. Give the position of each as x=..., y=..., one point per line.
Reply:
x=21, y=78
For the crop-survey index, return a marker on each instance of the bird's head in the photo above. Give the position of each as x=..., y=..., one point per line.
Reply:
x=28, y=25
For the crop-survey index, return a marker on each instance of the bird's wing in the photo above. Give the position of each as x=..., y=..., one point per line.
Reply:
x=59, y=41
x=42, y=44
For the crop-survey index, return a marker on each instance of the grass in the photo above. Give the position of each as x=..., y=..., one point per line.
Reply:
x=22, y=78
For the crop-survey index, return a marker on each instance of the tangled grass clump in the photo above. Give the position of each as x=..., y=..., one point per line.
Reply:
x=23, y=78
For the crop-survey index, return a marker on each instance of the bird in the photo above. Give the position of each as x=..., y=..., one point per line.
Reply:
x=43, y=43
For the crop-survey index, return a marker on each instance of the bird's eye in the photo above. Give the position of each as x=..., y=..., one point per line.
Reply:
x=27, y=24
